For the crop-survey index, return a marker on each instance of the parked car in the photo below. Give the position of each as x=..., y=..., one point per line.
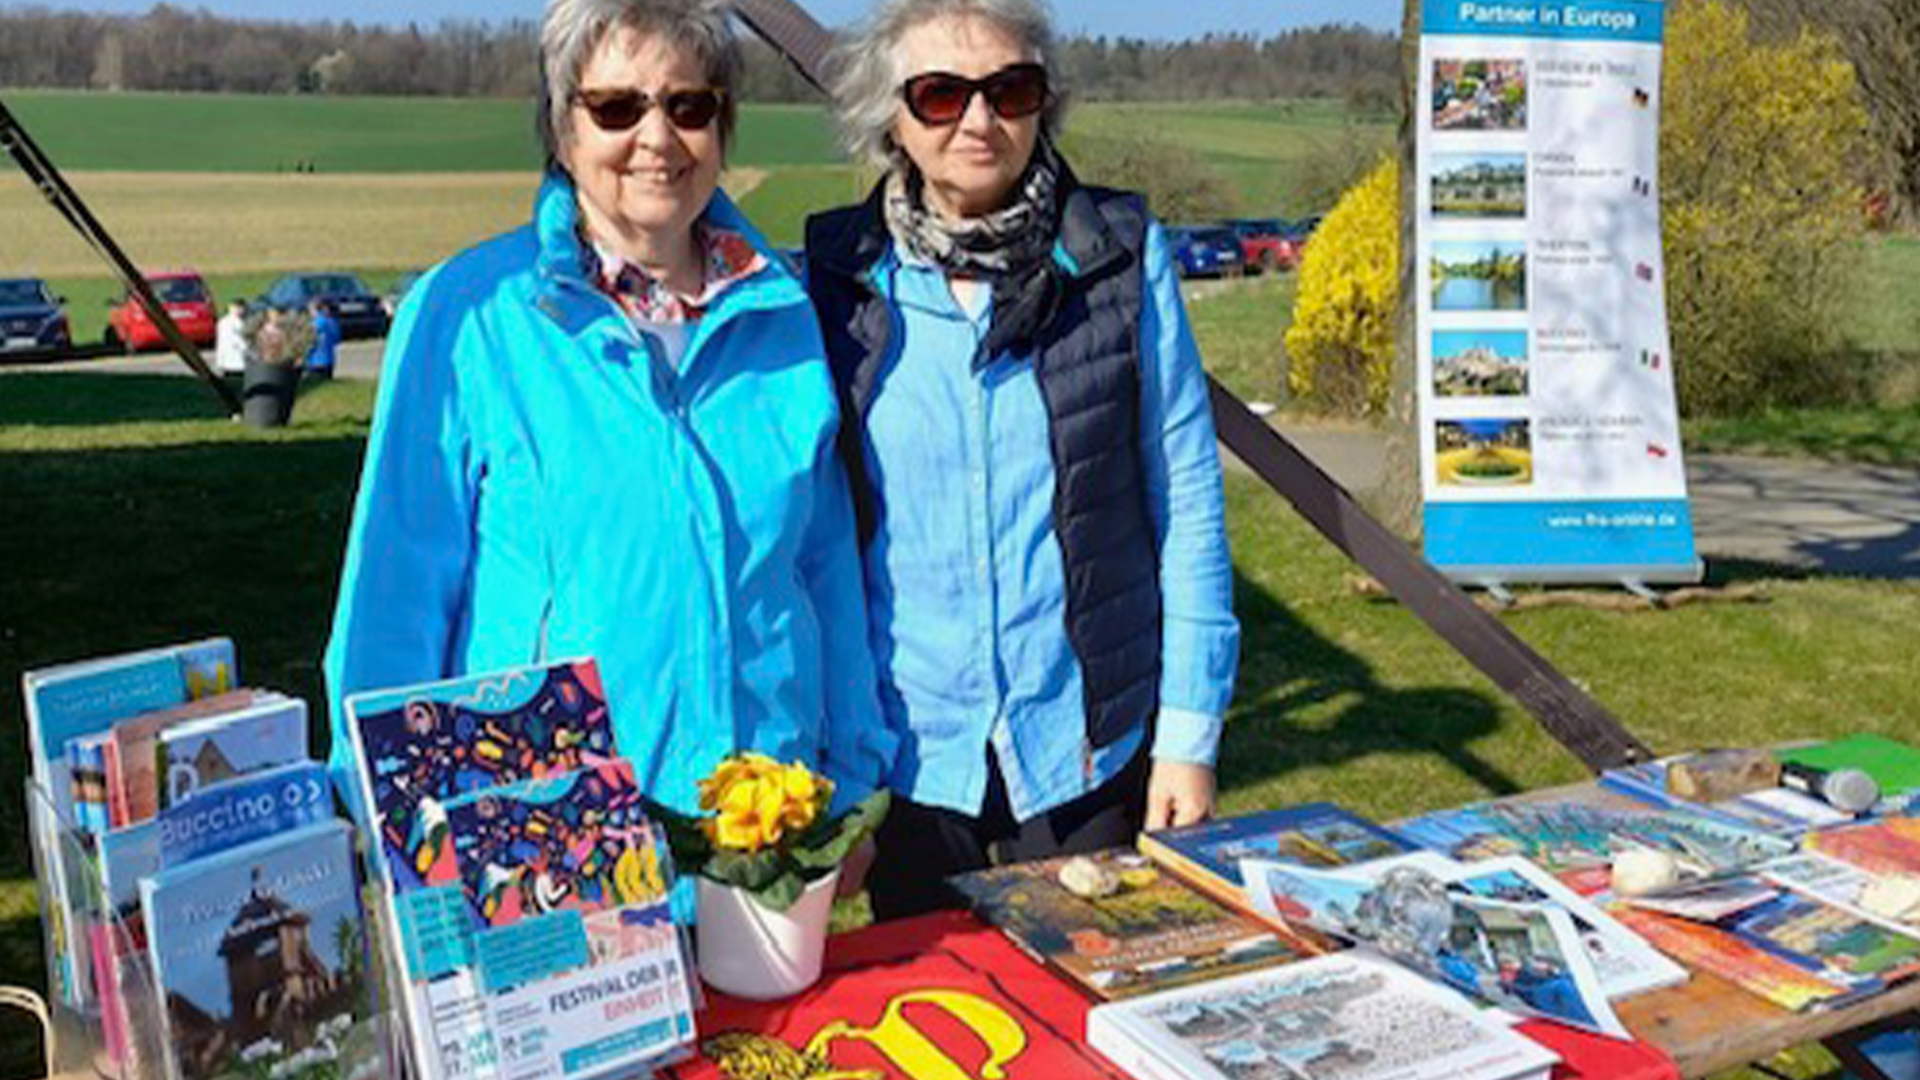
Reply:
x=1265, y=244
x=402, y=285
x=356, y=307
x=188, y=302
x=32, y=318
x=1203, y=250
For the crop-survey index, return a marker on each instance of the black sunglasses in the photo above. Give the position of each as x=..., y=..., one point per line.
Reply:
x=618, y=110
x=938, y=98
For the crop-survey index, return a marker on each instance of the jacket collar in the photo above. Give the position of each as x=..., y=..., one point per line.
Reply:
x=562, y=253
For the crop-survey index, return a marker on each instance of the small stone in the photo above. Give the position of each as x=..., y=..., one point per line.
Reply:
x=1641, y=872
x=1085, y=878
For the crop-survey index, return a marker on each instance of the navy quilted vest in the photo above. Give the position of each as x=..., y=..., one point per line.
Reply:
x=1086, y=360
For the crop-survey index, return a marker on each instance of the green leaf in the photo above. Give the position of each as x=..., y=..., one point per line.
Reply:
x=685, y=839
x=854, y=826
x=749, y=870
x=780, y=894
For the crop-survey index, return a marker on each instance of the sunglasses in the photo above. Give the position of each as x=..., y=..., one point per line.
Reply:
x=618, y=110
x=938, y=98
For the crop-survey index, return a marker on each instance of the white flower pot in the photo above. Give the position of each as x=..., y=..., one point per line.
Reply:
x=751, y=952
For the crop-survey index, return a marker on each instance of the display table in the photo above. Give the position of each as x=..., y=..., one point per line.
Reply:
x=945, y=997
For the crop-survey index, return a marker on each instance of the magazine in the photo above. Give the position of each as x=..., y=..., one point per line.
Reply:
x=1151, y=933
x=1886, y=846
x=1708, y=902
x=1527, y=958
x=1625, y=964
x=259, y=957
x=1772, y=810
x=1836, y=943
x=1348, y=1016
x=133, y=786
x=211, y=749
x=1740, y=961
x=528, y=913
x=73, y=701
x=1572, y=834
x=420, y=746
x=242, y=810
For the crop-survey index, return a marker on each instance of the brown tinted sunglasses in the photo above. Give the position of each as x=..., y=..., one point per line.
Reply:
x=620, y=109
x=939, y=98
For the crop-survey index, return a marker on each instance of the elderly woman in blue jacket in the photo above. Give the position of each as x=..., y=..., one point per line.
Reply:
x=610, y=433
x=1028, y=427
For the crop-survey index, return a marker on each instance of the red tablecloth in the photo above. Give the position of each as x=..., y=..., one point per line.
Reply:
x=944, y=997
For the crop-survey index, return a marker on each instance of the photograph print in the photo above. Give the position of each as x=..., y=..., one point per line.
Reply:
x=1480, y=95
x=1479, y=185
x=1479, y=363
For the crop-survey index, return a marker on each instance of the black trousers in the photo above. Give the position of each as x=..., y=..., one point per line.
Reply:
x=919, y=847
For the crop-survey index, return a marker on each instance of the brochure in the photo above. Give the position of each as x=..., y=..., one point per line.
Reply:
x=533, y=929
x=1524, y=957
x=1349, y=1016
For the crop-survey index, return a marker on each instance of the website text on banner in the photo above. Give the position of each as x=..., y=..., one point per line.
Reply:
x=1549, y=432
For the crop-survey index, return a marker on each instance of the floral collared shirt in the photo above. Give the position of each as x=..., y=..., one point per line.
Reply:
x=727, y=257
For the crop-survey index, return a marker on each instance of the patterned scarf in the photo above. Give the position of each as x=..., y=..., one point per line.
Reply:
x=1007, y=243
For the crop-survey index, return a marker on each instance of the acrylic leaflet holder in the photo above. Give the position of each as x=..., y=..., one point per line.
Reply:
x=270, y=985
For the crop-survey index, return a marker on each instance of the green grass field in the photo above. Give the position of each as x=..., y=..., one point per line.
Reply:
x=226, y=133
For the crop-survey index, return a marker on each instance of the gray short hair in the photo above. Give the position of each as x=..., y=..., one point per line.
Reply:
x=573, y=29
x=867, y=76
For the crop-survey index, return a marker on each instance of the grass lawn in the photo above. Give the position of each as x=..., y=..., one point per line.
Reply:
x=1884, y=326
x=221, y=133
x=1887, y=435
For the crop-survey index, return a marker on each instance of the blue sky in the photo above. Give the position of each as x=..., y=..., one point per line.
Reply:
x=1154, y=19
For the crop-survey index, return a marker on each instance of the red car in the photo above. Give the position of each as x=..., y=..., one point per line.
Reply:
x=1266, y=244
x=188, y=301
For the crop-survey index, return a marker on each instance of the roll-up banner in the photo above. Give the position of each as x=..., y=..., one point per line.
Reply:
x=1550, y=436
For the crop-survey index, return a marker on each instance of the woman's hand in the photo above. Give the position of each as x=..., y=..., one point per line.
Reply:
x=1178, y=793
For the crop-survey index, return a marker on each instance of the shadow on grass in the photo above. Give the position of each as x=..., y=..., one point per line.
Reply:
x=112, y=550
x=86, y=399
x=93, y=399
x=1283, y=656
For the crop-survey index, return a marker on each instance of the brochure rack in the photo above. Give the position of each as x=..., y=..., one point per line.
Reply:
x=105, y=1012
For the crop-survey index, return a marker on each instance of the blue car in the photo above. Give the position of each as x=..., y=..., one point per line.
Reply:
x=31, y=318
x=1206, y=251
x=358, y=310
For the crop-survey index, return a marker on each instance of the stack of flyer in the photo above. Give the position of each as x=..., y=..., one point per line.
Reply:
x=526, y=891
x=201, y=898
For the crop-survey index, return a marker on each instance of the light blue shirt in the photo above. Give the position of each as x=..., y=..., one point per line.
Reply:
x=966, y=583
x=541, y=483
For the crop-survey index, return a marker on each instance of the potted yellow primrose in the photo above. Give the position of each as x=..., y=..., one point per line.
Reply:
x=766, y=858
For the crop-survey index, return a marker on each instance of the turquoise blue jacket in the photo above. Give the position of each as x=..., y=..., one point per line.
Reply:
x=541, y=484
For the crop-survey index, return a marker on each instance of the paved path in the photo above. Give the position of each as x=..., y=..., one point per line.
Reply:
x=1815, y=515
x=1842, y=519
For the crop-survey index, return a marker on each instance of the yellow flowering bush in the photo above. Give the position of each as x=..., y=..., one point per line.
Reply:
x=1340, y=346
x=1762, y=146
x=764, y=827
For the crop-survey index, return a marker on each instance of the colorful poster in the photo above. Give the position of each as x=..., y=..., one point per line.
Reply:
x=1549, y=432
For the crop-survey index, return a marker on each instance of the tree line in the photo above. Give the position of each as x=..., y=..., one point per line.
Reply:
x=175, y=49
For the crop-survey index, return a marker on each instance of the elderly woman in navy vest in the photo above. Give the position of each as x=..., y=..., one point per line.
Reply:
x=1027, y=423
